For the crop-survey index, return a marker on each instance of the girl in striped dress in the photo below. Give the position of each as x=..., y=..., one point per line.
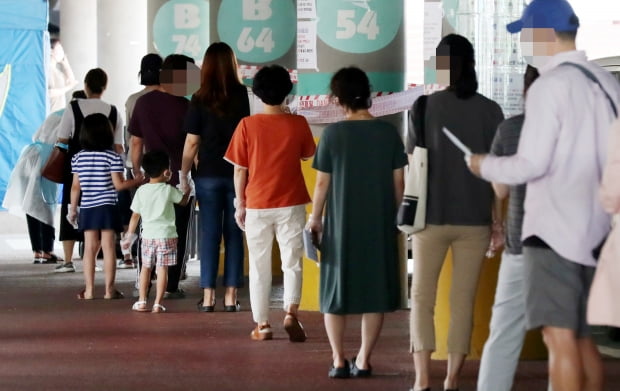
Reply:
x=97, y=176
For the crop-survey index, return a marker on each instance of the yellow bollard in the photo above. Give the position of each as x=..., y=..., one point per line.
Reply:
x=533, y=348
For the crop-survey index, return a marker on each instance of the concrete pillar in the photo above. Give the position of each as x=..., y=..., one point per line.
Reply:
x=122, y=41
x=78, y=34
x=371, y=37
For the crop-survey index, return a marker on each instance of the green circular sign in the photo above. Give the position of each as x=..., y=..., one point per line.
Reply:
x=359, y=26
x=260, y=31
x=182, y=27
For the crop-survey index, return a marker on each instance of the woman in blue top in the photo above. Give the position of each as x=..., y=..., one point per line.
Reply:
x=98, y=175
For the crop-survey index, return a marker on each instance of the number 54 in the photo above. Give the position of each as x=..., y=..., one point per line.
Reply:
x=347, y=27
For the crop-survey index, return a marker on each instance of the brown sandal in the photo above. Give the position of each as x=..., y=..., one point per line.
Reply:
x=115, y=296
x=82, y=295
x=295, y=330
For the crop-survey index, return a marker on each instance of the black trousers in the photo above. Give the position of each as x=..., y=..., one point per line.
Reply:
x=41, y=235
x=183, y=214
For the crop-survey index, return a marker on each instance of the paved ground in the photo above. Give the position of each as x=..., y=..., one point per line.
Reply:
x=49, y=340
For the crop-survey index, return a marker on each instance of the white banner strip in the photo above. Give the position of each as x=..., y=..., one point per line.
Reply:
x=316, y=112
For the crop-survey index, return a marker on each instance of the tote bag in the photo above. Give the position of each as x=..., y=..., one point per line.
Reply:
x=53, y=169
x=411, y=216
x=603, y=308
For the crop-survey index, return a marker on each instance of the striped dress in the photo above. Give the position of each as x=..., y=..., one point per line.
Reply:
x=94, y=169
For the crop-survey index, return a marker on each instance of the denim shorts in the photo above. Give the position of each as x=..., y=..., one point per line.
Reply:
x=100, y=217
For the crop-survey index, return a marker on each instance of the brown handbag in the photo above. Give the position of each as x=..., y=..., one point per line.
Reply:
x=55, y=166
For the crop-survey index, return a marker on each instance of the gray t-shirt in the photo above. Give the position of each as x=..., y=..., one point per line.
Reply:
x=455, y=196
x=506, y=143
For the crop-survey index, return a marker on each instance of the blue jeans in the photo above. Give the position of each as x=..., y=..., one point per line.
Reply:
x=217, y=219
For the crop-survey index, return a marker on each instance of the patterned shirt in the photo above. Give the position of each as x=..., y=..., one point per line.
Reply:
x=94, y=169
x=506, y=143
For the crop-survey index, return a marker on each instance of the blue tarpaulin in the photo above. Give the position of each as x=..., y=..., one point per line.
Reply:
x=23, y=57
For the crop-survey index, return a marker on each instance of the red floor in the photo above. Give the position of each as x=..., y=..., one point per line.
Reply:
x=49, y=340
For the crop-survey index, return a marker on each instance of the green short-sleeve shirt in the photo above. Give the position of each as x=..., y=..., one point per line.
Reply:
x=155, y=204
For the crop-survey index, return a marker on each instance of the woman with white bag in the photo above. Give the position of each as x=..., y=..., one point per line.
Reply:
x=458, y=208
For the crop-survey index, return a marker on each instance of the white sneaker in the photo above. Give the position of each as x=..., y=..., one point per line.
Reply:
x=65, y=268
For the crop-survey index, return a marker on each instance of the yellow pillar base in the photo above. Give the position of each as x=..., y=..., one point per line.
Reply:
x=310, y=281
x=533, y=349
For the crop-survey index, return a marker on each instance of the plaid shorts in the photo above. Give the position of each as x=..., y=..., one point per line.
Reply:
x=161, y=252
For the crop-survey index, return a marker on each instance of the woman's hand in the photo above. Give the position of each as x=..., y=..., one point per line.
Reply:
x=497, y=239
x=315, y=226
x=240, y=213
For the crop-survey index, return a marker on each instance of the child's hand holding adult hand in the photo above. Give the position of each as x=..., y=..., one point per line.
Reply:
x=127, y=240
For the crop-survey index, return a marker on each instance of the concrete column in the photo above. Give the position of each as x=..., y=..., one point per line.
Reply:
x=122, y=41
x=78, y=34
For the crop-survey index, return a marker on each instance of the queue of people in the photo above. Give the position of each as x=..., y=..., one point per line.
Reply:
x=245, y=171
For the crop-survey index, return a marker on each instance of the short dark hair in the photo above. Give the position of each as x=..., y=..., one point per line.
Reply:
x=149, y=69
x=155, y=163
x=569, y=36
x=96, y=80
x=272, y=84
x=78, y=94
x=96, y=133
x=529, y=77
x=463, y=79
x=352, y=88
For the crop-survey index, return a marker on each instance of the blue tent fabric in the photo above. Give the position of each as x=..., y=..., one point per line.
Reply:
x=23, y=46
x=23, y=14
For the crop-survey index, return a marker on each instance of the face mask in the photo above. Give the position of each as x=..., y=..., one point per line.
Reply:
x=536, y=46
x=537, y=61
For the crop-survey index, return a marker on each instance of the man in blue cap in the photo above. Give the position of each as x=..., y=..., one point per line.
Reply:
x=562, y=150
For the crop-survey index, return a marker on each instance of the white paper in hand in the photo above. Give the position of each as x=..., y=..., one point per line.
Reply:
x=455, y=140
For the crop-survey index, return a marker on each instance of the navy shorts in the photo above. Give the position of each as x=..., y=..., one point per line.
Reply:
x=100, y=217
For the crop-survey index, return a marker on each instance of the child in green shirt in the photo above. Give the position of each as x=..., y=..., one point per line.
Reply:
x=154, y=204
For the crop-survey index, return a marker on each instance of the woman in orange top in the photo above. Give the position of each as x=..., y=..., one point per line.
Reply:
x=266, y=150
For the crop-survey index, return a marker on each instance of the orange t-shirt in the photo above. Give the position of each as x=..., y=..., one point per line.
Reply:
x=271, y=146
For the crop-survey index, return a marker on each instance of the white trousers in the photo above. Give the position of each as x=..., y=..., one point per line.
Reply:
x=261, y=225
x=503, y=347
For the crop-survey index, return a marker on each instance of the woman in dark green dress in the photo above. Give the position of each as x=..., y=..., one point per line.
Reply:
x=359, y=183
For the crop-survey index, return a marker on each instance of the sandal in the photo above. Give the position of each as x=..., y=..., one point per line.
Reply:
x=158, y=308
x=294, y=329
x=52, y=259
x=139, y=306
x=115, y=296
x=82, y=295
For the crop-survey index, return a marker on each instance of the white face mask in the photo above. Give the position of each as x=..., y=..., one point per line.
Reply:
x=537, y=61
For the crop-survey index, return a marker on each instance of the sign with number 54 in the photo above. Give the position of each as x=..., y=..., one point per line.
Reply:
x=359, y=26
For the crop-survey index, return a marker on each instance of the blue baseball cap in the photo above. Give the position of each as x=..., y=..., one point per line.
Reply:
x=555, y=14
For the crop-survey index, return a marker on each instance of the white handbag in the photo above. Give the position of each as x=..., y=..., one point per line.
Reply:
x=412, y=211
x=411, y=216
